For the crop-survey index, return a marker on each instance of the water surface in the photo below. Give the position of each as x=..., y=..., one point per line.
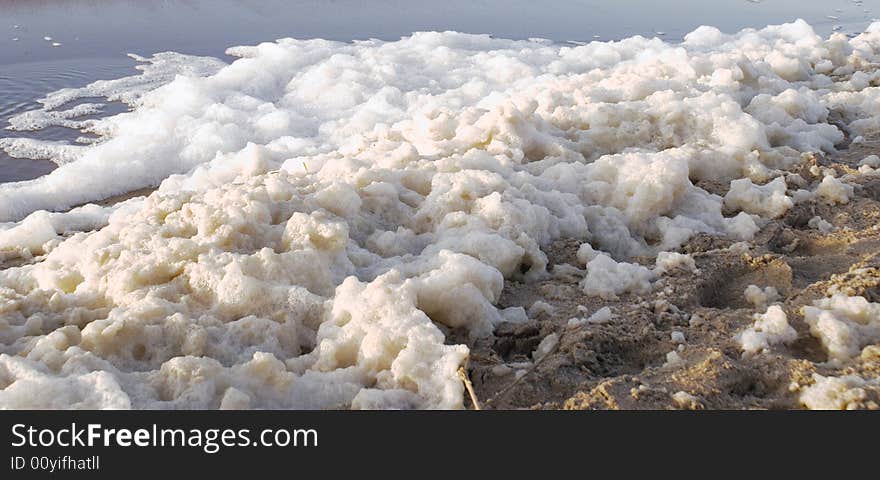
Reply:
x=50, y=44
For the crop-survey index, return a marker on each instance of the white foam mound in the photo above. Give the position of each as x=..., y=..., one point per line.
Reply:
x=607, y=279
x=833, y=191
x=767, y=200
x=770, y=328
x=848, y=392
x=761, y=297
x=327, y=209
x=844, y=324
x=667, y=262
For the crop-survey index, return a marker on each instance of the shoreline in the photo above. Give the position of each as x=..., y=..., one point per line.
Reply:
x=631, y=224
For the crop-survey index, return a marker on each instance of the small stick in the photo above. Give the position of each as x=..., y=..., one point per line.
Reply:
x=462, y=374
x=516, y=382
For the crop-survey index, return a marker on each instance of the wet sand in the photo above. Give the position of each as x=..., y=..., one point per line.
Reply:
x=623, y=364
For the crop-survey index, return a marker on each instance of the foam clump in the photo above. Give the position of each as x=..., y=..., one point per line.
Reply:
x=770, y=328
x=847, y=392
x=768, y=200
x=761, y=297
x=603, y=315
x=872, y=161
x=834, y=191
x=685, y=400
x=844, y=325
x=546, y=346
x=325, y=211
x=607, y=278
x=541, y=308
x=820, y=224
x=671, y=261
x=33, y=233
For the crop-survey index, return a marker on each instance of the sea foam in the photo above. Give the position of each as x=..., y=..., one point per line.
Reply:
x=325, y=211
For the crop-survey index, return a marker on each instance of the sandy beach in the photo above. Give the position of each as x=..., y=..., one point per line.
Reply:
x=452, y=220
x=624, y=363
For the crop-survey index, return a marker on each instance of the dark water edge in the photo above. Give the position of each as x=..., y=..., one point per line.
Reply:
x=22, y=84
x=94, y=36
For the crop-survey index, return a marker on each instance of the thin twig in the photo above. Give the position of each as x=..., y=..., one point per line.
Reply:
x=462, y=374
x=531, y=369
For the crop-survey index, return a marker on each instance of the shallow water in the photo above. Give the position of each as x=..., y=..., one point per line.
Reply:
x=22, y=83
x=88, y=40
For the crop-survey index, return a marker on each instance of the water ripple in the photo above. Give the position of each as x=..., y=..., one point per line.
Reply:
x=21, y=85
